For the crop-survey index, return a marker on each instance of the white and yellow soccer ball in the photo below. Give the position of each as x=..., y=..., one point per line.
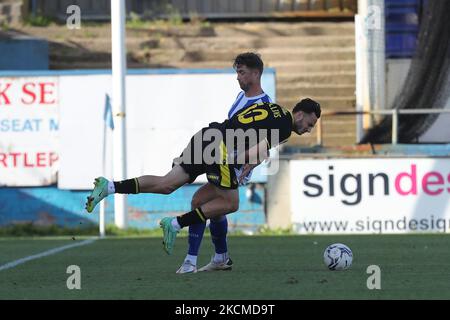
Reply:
x=338, y=256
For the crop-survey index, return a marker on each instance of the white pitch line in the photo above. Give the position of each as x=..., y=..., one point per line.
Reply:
x=15, y=263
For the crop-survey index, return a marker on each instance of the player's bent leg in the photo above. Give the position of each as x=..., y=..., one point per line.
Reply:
x=219, y=229
x=196, y=231
x=204, y=194
x=226, y=201
x=170, y=182
x=221, y=260
x=174, y=179
x=144, y=184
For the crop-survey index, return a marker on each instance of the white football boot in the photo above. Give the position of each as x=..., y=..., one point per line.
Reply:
x=187, y=267
x=218, y=266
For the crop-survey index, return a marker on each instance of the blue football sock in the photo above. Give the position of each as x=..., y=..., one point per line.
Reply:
x=219, y=230
x=196, y=232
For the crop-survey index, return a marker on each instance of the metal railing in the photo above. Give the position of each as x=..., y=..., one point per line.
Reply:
x=393, y=112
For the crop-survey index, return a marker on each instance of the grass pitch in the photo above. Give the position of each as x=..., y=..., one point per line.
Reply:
x=265, y=267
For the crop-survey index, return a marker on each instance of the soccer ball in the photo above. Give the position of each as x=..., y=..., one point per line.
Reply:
x=338, y=256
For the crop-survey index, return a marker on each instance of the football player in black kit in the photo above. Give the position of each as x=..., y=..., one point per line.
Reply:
x=243, y=141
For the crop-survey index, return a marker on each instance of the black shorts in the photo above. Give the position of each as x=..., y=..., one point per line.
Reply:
x=193, y=161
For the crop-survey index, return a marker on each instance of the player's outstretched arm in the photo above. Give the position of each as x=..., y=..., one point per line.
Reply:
x=254, y=157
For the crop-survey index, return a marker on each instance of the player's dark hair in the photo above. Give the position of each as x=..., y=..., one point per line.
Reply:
x=250, y=60
x=308, y=106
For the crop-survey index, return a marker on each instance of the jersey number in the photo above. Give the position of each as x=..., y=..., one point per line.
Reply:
x=252, y=114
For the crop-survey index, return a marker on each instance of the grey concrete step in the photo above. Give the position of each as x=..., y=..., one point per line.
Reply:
x=281, y=68
x=295, y=67
x=69, y=63
x=327, y=103
x=202, y=43
x=349, y=78
x=285, y=29
x=222, y=30
x=270, y=56
x=267, y=54
x=308, y=54
x=256, y=29
x=338, y=125
x=308, y=90
x=330, y=141
x=255, y=42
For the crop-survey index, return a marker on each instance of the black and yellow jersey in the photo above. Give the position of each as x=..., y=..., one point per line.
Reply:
x=264, y=118
x=220, y=155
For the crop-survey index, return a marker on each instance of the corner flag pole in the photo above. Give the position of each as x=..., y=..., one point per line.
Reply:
x=101, y=219
x=107, y=123
x=118, y=105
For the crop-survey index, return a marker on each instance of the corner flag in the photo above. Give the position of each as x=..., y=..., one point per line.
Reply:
x=107, y=114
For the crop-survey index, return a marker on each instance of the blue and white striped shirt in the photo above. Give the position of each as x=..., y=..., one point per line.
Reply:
x=242, y=102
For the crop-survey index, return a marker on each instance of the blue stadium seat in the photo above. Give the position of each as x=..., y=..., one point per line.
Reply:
x=402, y=27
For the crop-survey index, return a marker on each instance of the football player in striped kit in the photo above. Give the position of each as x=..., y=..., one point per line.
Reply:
x=267, y=125
x=249, y=68
x=220, y=195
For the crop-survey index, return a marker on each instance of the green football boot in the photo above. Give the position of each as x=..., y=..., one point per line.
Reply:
x=98, y=194
x=169, y=233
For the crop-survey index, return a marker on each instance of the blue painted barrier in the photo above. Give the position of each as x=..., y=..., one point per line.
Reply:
x=23, y=53
x=65, y=208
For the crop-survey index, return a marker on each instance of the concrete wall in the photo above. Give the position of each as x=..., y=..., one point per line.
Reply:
x=279, y=198
x=396, y=72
